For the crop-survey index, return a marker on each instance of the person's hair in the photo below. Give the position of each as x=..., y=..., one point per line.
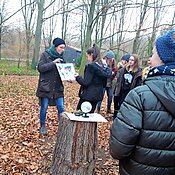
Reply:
x=112, y=63
x=136, y=63
x=95, y=51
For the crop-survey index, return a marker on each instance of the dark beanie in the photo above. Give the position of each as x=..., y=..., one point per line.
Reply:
x=58, y=41
x=165, y=46
x=126, y=57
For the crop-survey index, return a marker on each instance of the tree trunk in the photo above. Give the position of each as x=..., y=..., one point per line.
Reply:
x=38, y=34
x=75, y=148
x=87, y=42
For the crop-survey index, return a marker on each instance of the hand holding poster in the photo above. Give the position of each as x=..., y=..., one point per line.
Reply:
x=66, y=71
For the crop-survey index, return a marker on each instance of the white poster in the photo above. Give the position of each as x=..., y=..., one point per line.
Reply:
x=92, y=117
x=66, y=71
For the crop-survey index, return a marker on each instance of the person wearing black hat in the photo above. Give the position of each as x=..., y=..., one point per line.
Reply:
x=142, y=136
x=124, y=61
x=50, y=88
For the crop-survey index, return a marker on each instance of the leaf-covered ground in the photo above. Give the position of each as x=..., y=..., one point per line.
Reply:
x=23, y=151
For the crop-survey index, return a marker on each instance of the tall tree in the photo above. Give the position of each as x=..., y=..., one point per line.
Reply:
x=38, y=32
x=28, y=15
x=3, y=13
x=65, y=18
x=141, y=21
x=104, y=10
x=88, y=35
x=157, y=7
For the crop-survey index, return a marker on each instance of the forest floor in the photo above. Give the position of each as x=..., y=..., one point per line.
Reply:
x=23, y=151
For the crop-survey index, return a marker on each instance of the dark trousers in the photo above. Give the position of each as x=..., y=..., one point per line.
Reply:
x=118, y=100
x=109, y=95
x=116, y=105
x=94, y=104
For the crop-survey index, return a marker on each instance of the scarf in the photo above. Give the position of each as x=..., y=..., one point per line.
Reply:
x=167, y=69
x=53, y=53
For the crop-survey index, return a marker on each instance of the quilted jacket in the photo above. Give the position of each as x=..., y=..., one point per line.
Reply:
x=142, y=137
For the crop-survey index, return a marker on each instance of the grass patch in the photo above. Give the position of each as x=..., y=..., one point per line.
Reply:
x=11, y=68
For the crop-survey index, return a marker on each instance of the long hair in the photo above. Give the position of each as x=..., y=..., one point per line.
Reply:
x=136, y=63
x=95, y=51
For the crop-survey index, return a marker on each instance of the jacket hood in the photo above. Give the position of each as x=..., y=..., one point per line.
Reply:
x=163, y=88
x=101, y=71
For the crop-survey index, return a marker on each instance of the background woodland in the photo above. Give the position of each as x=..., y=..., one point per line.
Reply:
x=119, y=25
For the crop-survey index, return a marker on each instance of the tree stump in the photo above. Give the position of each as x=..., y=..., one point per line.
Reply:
x=75, y=148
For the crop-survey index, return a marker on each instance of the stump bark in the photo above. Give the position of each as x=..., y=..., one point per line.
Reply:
x=75, y=148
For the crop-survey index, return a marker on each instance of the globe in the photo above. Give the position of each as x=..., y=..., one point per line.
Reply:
x=86, y=107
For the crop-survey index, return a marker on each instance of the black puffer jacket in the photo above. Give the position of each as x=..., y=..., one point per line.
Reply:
x=95, y=78
x=143, y=133
x=49, y=84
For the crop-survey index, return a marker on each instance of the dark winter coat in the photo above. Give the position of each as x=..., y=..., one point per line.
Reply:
x=143, y=133
x=50, y=84
x=95, y=78
x=136, y=81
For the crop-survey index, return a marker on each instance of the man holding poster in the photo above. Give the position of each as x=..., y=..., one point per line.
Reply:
x=50, y=87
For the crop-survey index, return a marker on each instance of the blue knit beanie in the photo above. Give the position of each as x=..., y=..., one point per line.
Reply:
x=58, y=41
x=110, y=54
x=126, y=57
x=165, y=46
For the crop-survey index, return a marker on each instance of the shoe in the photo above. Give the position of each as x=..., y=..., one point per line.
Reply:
x=43, y=130
x=109, y=111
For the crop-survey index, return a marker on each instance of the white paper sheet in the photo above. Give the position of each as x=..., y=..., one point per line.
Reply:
x=93, y=117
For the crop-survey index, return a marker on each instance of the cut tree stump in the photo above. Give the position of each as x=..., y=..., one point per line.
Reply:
x=75, y=148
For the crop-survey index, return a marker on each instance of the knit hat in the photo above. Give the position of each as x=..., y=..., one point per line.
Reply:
x=165, y=46
x=58, y=41
x=126, y=57
x=110, y=54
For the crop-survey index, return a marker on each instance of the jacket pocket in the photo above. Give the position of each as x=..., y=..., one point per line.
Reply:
x=44, y=85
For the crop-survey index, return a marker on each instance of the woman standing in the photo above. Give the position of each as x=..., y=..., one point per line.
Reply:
x=50, y=87
x=95, y=78
x=128, y=78
x=109, y=58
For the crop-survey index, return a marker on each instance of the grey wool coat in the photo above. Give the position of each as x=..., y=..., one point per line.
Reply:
x=142, y=137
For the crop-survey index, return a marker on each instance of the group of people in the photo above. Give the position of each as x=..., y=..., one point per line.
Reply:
x=142, y=135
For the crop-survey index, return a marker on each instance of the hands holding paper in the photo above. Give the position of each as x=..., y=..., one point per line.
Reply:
x=58, y=60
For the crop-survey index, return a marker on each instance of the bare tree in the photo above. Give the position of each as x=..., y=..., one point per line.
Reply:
x=65, y=18
x=28, y=15
x=143, y=11
x=40, y=4
x=3, y=27
x=88, y=36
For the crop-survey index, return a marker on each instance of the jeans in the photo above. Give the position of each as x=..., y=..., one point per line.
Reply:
x=44, y=105
x=109, y=95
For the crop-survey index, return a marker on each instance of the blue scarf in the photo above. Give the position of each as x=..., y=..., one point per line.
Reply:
x=53, y=53
x=167, y=69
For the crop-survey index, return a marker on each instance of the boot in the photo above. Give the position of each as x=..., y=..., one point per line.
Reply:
x=43, y=130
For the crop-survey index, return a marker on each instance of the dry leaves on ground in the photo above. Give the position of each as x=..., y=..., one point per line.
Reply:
x=23, y=151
